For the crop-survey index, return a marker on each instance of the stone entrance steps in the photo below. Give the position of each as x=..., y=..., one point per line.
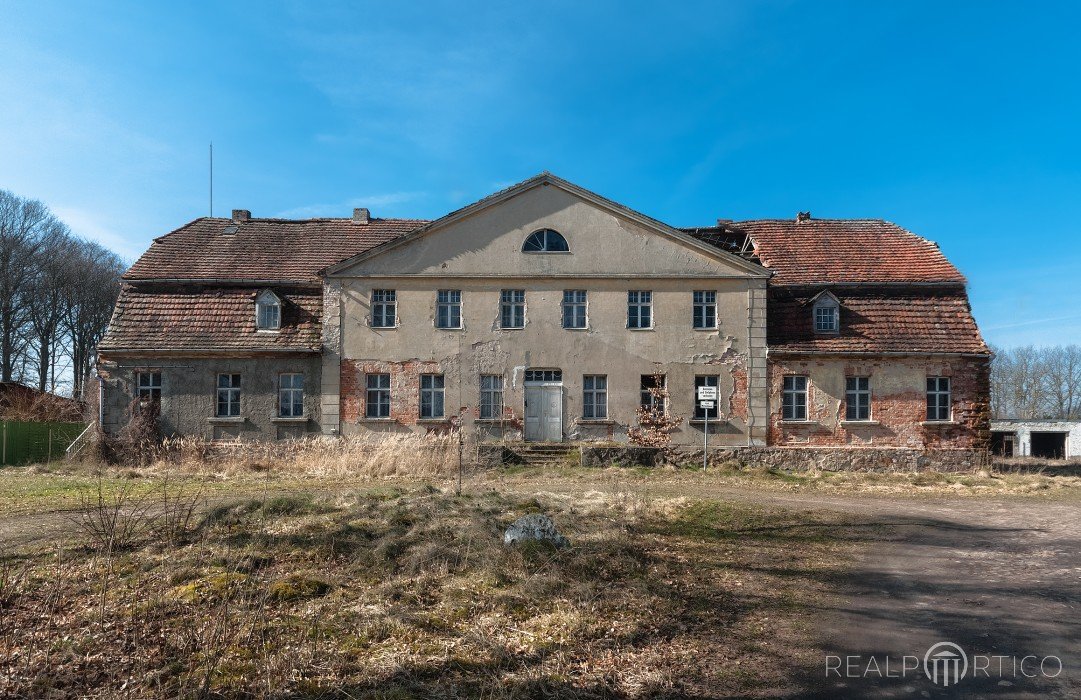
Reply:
x=542, y=454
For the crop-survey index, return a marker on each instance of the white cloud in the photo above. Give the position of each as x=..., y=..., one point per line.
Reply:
x=86, y=225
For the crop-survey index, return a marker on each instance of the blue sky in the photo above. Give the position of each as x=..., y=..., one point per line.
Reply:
x=959, y=121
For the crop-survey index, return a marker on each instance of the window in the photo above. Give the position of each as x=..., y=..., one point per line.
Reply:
x=148, y=385
x=268, y=311
x=938, y=398
x=544, y=375
x=595, y=396
x=291, y=395
x=432, y=392
x=384, y=308
x=512, y=308
x=858, y=398
x=639, y=309
x=377, y=400
x=574, y=308
x=705, y=310
x=448, y=308
x=491, y=396
x=826, y=314
x=545, y=241
x=794, y=399
x=228, y=396
x=705, y=380
x=651, y=385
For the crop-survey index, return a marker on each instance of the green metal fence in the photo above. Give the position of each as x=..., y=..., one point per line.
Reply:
x=28, y=443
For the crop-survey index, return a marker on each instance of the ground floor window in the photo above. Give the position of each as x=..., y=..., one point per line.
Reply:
x=701, y=413
x=491, y=396
x=652, y=393
x=858, y=398
x=794, y=398
x=148, y=385
x=432, y=393
x=938, y=398
x=228, y=395
x=291, y=395
x=595, y=396
x=377, y=400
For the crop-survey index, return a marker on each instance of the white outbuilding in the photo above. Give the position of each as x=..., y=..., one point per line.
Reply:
x=1049, y=439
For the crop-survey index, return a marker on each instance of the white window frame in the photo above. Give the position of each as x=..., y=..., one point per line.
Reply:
x=227, y=395
x=639, y=309
x=547, y=242
x=384, y=308
x=266, y=302
x=935, y=395
x=512, y=306
x=826, y=315
x=450, y=301
x=575, y=308
x=148, y=385
x=646, y=399
x=595, y=397
x=703, y=304
x=291, y=395
x=435, y=392
x=491, y=396
x=795, y=397
x=377, y=395
x=857, y=399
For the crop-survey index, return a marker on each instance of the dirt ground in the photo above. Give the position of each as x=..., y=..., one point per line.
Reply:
x=998, y=576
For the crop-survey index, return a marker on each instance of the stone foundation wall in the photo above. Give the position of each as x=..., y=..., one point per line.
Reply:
x=844, y=459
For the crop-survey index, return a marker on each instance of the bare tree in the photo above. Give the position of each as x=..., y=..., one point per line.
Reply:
x=88, y=307
x=22, y=222
x=53, y=276
x=1033, y=382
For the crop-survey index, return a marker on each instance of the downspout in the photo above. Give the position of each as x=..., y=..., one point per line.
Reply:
x=750, y=365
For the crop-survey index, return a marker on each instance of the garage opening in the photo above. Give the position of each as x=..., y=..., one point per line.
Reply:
x=1049, y=445
x=1002, y=443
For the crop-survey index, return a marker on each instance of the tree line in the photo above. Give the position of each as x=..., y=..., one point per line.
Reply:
x=1036, y=382
x=57, y=293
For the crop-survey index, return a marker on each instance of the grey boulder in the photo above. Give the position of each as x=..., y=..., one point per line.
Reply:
x=535, y=527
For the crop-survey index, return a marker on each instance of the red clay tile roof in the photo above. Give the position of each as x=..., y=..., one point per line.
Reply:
x=877, y=320
x=261, y=249
x=838, y=251
x=198, y=318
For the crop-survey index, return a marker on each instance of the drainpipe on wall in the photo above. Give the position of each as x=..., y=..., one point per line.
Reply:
x=101, y=404
x=750, y=365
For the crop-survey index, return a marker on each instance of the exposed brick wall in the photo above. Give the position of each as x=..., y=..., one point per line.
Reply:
x=898, y=403
x=404, y=388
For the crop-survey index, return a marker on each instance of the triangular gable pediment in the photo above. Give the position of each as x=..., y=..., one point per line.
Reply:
x=605, y=239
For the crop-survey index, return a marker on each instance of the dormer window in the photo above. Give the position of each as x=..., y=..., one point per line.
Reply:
x=268, y=311
x=827, y=313
x=545, y=241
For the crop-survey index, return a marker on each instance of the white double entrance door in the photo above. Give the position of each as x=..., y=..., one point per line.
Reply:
x=544, y=406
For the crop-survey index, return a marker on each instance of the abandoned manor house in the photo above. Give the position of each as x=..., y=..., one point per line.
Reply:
x=547, y=313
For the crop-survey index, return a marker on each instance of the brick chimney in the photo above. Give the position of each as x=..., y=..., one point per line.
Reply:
x=241, y=215
x=362, y=216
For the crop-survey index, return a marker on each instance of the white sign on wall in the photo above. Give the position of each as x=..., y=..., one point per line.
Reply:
x=707, y=404
x=707, y=393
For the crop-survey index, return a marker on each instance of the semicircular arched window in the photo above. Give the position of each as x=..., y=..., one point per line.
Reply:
x=545, y=241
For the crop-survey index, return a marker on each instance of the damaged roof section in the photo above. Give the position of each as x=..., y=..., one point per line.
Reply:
x=262, y=249
x=804, y=250
x=153, y=317
x=896, y=320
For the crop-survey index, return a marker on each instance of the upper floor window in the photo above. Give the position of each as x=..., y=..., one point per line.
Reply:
x=268, y=311
x=448, y=308
x=705, y=309
x=148, y=385
x=827, y=314
x=384, y=308
x=574, y=308
x=512, y=308
x=640, y=309
x=545, y=241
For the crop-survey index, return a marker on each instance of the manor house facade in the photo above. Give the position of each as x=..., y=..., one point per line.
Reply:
x=548, y=313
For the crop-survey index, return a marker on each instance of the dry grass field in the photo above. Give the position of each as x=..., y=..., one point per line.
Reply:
x=322, y=575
